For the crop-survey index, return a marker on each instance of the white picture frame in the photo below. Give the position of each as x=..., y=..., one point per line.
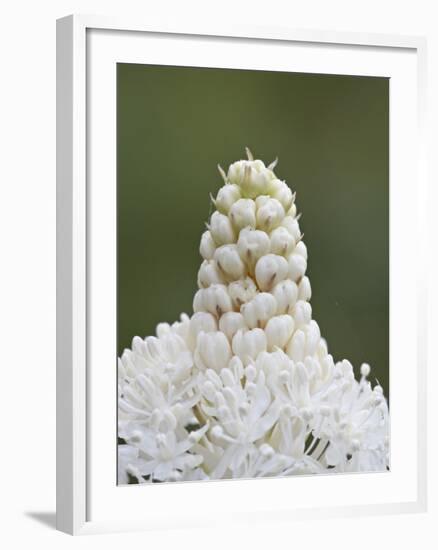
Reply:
x=87, y=49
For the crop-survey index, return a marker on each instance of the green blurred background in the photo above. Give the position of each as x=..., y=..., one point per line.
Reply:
x=331, y=134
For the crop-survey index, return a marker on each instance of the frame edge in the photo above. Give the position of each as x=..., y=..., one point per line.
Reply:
x=70, y=277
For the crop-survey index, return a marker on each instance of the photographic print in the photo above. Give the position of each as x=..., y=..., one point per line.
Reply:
x=252, y=274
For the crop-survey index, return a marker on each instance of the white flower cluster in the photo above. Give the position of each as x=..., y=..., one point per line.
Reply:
x=246, y=386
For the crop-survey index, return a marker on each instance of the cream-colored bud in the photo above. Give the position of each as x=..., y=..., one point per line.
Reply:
x=255, y=182
x=282, y=242
x=231, y=322
x=297, y=267
x=302, y=313
x=247, y=345
x=209, y=274
x=229, y=262
x=270, y=270
x=270, y=215
x=259, y=310
x=207, y=246
x=226, y=197
x=252, y=245
x=291, y=224
x=221, y=229
x=243, y=214
x=313, y=335
x=304, y=289
x=286, y=295
x=280, y=190
x=301, y=249
x=251, y=175
x=212, y=351
x=296, y=346
x=278, y=331
x=214, y=299
x=201, y=322
x=256, y=179
x=242, y=291
x=236, y=171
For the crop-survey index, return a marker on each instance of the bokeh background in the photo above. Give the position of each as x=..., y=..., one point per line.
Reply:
x=331, y=134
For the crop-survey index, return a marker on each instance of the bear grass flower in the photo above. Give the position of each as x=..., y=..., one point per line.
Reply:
x=246, y=387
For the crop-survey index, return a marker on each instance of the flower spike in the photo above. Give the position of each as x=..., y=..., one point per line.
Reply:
x=246, y=387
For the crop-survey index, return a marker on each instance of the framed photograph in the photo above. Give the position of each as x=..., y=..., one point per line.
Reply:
x=240, y=288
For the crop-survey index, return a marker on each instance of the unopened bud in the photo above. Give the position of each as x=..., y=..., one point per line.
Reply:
x=214, y=299
x=270, y=270
x=297, y=267
x=242, y=291
x=212, y=351
x=291, y=224
x=259, y=310
x=231, y=322
x=313, y=335
x=252, y=245
x=207, y=246
x=209, y=274
x=270, y=215
x=226, y=197
x=280, y=190
x=278, y=331
x=229, y=262
x=304, y=289
x=302, y=313
x=286, y=294
x=301, y=249
x=252, y=177
x=201, y=322
x=243, y=214
x=282, y=242
x=221, y=229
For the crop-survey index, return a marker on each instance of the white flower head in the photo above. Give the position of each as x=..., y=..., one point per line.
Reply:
x=246, y=387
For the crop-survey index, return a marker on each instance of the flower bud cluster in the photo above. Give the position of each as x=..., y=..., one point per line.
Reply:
x=252, y=279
